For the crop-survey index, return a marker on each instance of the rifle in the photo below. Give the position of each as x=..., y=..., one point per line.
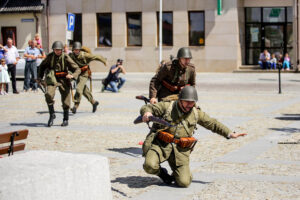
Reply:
x=156, y=120
x=42, y=85
x=145, y=99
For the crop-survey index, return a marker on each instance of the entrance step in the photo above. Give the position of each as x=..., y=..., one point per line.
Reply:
x=257, y=69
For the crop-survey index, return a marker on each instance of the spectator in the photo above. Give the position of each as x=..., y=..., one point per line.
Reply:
x=286, y=62
x=273, y=62
x=41, y=55
x=4, y=77
x=11, y=58
x=66, y=49
x=37, y=39
x=31, y=54
x=113, y=78
x=2, y=51
x=264, y=59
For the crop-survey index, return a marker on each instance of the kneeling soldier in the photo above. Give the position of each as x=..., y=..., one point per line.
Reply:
x=176, y=143
x=83, y=59
x=59, y=69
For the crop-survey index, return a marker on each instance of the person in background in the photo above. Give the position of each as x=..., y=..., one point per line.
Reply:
x=30, y=72
x=113, y=78
x=41, y=55
x=11, y=57
x=286, y=62
x=273, y=62
x=2, y=51
x=4, y=77
x=38, y=40
x=66, y=49
x=264, y=59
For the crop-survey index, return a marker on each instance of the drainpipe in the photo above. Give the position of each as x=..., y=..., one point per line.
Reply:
x=47, y=14
x=36, y=22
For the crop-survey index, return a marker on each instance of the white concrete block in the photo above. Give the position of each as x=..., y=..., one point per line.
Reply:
x=51, y=175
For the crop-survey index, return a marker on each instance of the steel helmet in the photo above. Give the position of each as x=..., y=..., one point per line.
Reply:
x=76, y=45
x=188, y=93
x=57, y=45
x=184, y=52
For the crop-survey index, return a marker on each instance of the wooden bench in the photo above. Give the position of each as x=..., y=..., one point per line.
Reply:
x=11, y=137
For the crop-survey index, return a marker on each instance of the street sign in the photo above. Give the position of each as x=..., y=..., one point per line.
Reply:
x=69, y=35
x=71, y=21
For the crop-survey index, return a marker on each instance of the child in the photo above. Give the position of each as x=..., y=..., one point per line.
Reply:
x=286, y=62
x=38, y=40
x=273, y=62
x=4, y=77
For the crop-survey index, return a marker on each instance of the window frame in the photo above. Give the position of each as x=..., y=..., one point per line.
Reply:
x=98, y=30
x=157, y=20
x=127, y=30
x=189, y=26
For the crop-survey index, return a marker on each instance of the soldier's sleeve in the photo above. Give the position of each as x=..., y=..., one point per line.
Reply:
x=91, y=57
x=192, y=80
x=212, y=124
x=157, y=109
x=74, y=67
x=44, y=64
x=156, y=81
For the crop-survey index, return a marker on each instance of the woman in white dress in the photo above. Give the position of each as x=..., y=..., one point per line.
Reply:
x=4, y=77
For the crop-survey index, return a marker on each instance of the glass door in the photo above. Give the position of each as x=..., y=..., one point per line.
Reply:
x=273, y=38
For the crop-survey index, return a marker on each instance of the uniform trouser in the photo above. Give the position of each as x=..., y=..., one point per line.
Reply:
x=182, y=174
x=82, y=89
x=64, y=89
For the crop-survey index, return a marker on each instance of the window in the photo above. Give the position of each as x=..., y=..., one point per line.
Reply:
x=77, y=34
x=167, y=28
x=104, y=30
x=134, y=29
x=196, y=28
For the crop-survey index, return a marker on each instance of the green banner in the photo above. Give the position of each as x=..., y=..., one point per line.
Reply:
x=219, y=7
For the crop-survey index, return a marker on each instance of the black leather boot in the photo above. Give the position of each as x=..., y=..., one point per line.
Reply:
x=95, y=104
x=52, y=115
x=165, y=177
x=66, y=118
x=74, y=109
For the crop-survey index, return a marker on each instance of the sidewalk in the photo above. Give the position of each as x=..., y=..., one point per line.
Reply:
x=252, y=167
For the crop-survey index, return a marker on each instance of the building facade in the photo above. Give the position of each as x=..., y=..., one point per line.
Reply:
x=128, y=29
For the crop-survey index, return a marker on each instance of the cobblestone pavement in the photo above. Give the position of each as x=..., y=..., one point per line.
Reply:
x=252, y=167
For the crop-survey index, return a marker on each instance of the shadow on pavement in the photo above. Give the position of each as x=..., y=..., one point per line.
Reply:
x=131, y=151
x=118, y=191
x=137, y=181
x=267, y=79
x=47, y=112
x=29, y=124
x=287, y=130
x=289, y=117
x=202, y=182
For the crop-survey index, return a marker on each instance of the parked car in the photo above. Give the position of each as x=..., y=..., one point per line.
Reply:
x=20, y=67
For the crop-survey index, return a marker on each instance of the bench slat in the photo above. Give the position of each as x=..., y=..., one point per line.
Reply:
x=17, y=147
x=5, y=137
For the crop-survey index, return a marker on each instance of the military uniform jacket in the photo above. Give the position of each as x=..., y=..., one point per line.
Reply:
x=84, y=59
x=186, y=123
x=173, y=74
x=53, y=63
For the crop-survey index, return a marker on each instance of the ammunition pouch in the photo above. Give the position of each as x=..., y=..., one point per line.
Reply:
x=61, y=74
x=50, y=78
x=184, y=142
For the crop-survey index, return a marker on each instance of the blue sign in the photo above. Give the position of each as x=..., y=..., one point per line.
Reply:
x=71, y=21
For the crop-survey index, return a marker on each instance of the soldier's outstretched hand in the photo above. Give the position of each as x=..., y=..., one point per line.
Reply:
x=146, y=116
x=69, y=76
x=153, y=100
x=235, y=135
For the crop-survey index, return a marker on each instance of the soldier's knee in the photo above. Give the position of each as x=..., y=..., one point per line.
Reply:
x=183, y=181
x=151, y=167
x=49, y=98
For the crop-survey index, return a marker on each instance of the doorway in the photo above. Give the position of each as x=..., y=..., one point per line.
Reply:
x=268, y=28
x=9, y=32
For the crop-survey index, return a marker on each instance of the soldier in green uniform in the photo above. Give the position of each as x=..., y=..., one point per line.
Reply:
x=59, y=69
x=176, y=143
x=173, y=76
x=83, y=59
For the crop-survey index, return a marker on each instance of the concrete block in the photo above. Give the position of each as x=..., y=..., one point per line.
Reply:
x=52, y=175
